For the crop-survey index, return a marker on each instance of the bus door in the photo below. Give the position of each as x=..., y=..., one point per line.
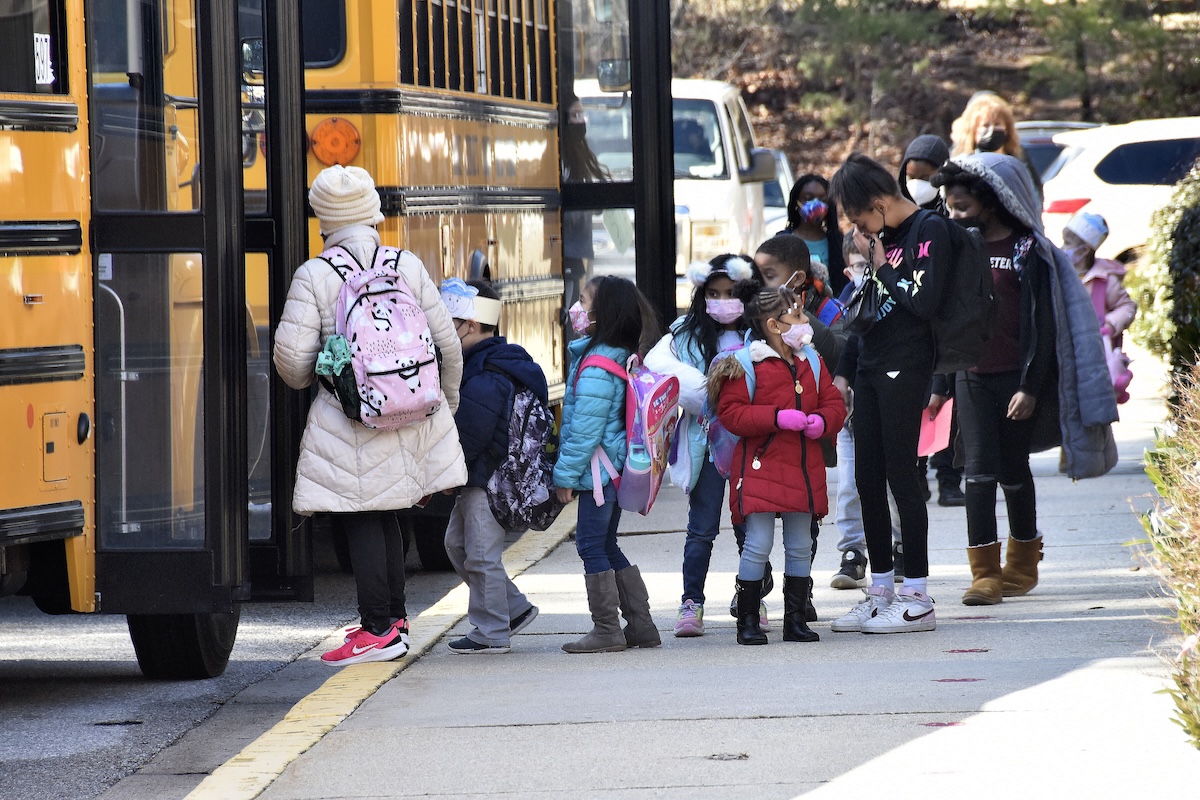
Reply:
x=173, y=328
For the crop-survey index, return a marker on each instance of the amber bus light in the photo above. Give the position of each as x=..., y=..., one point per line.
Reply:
x=335, y=141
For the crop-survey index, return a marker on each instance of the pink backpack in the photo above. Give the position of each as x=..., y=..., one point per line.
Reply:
x=651, y=418
x=393, y=363
x=1118, y=363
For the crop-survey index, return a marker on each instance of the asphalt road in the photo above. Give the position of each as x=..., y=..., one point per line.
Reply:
x=77, y=715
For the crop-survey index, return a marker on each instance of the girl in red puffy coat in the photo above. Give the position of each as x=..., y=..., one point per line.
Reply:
x=778, y=468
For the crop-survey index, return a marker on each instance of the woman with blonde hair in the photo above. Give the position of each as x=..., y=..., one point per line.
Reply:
x=987, y=125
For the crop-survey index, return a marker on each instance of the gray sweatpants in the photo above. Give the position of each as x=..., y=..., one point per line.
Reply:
x=475, y=544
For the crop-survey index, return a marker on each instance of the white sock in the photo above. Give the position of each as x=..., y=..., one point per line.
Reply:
x=916, y=584
x=883, y=579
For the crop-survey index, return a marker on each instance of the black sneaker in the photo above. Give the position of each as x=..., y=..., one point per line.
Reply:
x=898, y=561
x=467, y=646
x=951, y=496
x=522, y=620
x=852, y=573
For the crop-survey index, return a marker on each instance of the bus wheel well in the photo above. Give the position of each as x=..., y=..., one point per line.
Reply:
x=183, y=646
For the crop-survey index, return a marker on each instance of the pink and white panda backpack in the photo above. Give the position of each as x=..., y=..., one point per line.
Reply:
x=392, y=379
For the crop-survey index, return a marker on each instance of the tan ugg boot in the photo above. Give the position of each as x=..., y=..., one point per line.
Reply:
x=985, y=576
x=640, y=630
x=1020, y=573
x=606, y=635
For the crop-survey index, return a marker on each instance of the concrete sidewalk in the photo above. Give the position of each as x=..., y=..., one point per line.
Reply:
x=1052, y=694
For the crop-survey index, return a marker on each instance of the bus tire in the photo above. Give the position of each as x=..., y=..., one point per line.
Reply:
x=183, y=646
x=429, y=534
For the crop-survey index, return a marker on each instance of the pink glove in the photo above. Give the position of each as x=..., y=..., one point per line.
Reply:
x=815, y=426
x=791, y=419
x=1106, y=330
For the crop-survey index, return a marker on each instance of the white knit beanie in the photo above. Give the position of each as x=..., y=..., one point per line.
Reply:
x=1091, y=228
x=343, y=196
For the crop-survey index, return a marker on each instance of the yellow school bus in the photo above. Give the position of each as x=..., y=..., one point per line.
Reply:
x=154, y=161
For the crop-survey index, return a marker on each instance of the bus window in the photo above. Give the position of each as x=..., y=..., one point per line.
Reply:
x=324, y=26
x=33, y=47
x=150, y=401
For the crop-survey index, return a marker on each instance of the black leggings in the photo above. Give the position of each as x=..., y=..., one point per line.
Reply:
x=997, y=451
x=887, y=426
x=377, y=557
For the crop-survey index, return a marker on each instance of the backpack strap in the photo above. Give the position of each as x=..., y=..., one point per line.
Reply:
x=342, y=253
x=600, y=458
x=1099, y=289
x=742, y=354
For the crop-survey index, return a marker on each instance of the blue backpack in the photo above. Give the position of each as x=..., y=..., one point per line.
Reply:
x=721, y=442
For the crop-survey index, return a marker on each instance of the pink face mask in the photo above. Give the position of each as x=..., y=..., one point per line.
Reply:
x=725, y=311
x=797, y=336
x=579, y=318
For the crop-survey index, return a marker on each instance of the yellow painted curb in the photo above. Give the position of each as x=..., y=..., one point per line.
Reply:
x=250, y=772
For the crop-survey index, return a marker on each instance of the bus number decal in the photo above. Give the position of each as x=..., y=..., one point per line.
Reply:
x=43, y=66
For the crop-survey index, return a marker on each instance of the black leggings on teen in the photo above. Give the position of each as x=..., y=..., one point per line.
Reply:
x=887, y=425
x=997, y=451
x=377, y=557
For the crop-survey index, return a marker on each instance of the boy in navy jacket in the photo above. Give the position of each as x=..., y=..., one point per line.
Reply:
x=492, y=371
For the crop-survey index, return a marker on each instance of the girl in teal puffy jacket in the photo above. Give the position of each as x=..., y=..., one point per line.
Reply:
x=614, y=321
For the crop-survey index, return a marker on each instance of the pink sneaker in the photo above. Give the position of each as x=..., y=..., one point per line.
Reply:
x=362, y=646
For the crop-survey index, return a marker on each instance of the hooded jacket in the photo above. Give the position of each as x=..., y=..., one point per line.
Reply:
x=492, y=370
x=1086, y=404
x=345, y=466
x=790, y=475
x=593, y=415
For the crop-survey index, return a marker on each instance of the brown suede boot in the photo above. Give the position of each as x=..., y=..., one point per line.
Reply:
x=640, y=630
x=1020, y=573
x=985, y=576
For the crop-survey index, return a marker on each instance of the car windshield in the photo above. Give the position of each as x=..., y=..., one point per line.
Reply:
x=1063, y=158
x=699, y=151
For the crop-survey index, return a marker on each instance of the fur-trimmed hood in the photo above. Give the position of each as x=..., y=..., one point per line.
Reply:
x=729, y=368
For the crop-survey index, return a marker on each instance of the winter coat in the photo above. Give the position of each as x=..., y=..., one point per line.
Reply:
x=1086, y=403
x=593, y=415
x=791, y=472
x=345, y=466
x=1119, y=307
x=492, y=370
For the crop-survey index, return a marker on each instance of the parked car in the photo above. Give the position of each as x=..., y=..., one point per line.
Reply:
x=1124, y=173
x=1037, y=139
x=719, y=171
x=775, y=196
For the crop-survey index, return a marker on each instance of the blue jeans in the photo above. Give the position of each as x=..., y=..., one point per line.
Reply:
x=760, y=535
x=596, y=532
x=705, y=502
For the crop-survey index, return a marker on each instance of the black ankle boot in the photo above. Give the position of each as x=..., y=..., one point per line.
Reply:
x=795, y=599
x=749, y=595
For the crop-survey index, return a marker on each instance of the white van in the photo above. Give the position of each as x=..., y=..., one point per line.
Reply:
x=719, y=172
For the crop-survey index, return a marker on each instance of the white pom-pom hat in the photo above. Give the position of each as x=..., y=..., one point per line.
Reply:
x=738, y=268
x=343, y=196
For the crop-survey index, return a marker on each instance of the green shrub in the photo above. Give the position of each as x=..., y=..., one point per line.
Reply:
x=1174, y=532
x=1166, y=282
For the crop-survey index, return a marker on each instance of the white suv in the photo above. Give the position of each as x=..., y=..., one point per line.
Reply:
x=1124, y=173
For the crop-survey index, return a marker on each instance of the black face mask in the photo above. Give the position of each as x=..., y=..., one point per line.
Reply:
x=992, y=141
x=969, y=222
x=577, y=129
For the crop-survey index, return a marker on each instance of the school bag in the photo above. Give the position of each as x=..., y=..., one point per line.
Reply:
x=651, y=419
x=1114, y=357
x=381, y=363
x=963, y=323
x=721, y=441
x=521, y=493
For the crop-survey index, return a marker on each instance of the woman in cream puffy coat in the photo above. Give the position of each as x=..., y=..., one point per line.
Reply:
x=364, y=475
